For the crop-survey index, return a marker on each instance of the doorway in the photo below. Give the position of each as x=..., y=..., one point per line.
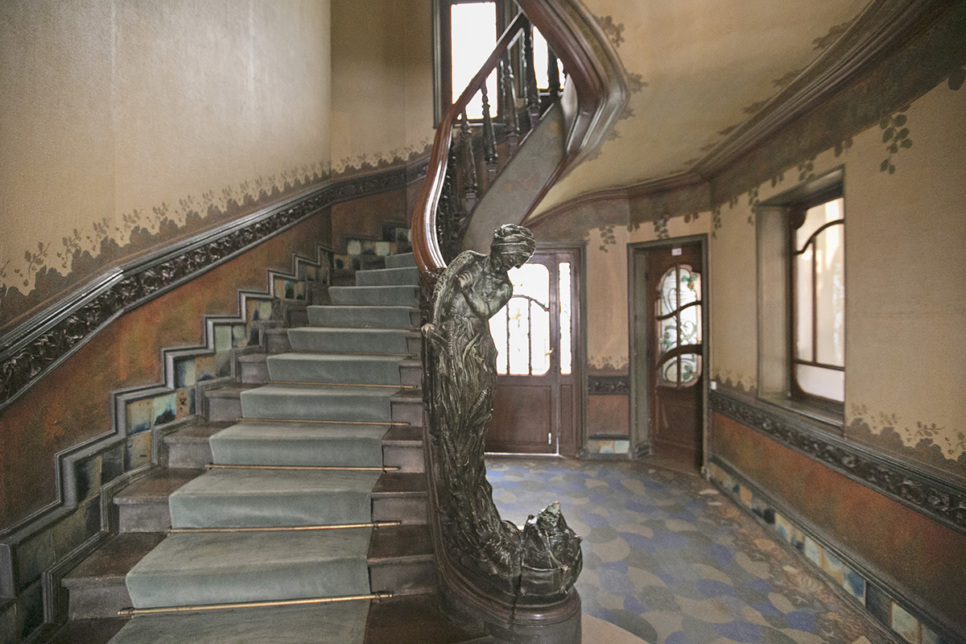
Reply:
x=536, y=408
x=669, y=349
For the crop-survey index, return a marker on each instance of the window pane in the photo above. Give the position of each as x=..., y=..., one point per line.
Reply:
x=827, y=383
x=803, y=306
x=473, y=32
x=566, y=355
x=815, y=218
x=540, y=59
x=524, y=324
x=498, y=331
x=519, y=358
x=539, y=340
x=679, y=305
x=830, y=296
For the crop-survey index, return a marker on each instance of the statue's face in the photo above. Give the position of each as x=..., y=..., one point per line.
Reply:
x=506, y=260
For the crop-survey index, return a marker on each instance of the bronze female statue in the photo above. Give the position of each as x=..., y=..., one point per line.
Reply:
x=544, y=559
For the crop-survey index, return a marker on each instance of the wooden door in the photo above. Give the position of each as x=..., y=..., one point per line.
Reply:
x=537, y=396
x=674, y=351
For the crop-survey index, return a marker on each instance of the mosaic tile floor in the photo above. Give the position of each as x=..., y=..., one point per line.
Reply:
x=669, y=559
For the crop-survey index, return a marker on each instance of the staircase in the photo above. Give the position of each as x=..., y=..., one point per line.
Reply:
x=310, y=523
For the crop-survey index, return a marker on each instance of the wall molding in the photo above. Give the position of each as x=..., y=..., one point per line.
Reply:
x=39, y=345
x=877, y=591
x=849, y=83
x=941, y=501
x=608, y=385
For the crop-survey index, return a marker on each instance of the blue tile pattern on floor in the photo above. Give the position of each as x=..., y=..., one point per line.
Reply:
x=670, y=559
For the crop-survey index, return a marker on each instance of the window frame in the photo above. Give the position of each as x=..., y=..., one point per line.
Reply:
x=776, y=308
x=795, y=391
x=442, y=48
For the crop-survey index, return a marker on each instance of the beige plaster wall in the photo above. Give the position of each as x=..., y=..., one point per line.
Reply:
x=125, y=119
x=905, y=270
x=382, y=82
x=696, y=70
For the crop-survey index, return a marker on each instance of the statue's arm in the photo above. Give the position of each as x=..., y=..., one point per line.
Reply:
x=483, y=302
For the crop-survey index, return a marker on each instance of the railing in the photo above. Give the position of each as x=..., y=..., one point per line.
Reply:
x=518, y=586
x=595, y=93
x=453, y=183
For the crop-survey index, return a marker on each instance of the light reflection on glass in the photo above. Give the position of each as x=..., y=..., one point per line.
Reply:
x=566, y=355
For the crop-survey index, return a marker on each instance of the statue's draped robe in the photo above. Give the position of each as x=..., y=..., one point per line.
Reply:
x=545, y=558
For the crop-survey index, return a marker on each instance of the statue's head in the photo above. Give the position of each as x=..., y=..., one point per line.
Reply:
x=512, y=245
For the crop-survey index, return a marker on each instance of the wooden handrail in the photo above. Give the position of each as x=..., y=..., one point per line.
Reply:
x=425, y=245
x=596, y=94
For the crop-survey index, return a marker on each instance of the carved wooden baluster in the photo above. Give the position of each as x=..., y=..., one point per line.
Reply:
x=509, y=96
x=553, y=75
x=449, y=218
x=489, y=139
x=470, y=185
x=530, y=80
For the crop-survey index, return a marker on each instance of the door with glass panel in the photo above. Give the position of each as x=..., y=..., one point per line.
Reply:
x=536, y=406
x=675, y=369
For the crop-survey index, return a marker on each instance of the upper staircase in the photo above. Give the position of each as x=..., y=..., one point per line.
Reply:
x=313, y=500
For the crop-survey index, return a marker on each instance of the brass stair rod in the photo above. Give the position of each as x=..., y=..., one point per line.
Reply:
x=320, y=468
x=323, y=422
x=341, y=384
x=302, y=528
x=127, y=612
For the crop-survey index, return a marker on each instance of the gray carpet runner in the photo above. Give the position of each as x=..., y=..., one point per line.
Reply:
x=328, y=405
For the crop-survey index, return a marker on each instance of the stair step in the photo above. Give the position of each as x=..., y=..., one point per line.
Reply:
x=400, y=496
x=395, y=317
x=276, y=340
x=273, y=498
x=400, y=260
x=407, y=408
x=298, y=444
x=98, y=630
x=334, y=369
x=334, y=623
x=189, y=447
x=254, y=368
x=96, y=586
x=300, y=402
x=143, y=505
x=396, y=295
x=224, y=404
x=411, y=619
x=218, y=568
x=406, y=275
x=401, y=560
x=355, y=340
x=402, y=447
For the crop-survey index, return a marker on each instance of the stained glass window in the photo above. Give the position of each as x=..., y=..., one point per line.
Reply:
x=679, y=327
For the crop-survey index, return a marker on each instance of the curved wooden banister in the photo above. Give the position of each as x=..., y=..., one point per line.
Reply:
x=425, y=245
x=490, y=577
x=595, y=95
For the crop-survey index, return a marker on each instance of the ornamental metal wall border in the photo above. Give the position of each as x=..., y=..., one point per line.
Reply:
x=608, y=385
x=41, y=344
x=939, y=500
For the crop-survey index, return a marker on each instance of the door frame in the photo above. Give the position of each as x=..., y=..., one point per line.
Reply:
x=571, y=445
x=639, y=302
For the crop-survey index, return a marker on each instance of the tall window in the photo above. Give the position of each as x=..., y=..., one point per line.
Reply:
x=801, y=298
x=472, y=38
x=525, y=332
x=817, y=252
